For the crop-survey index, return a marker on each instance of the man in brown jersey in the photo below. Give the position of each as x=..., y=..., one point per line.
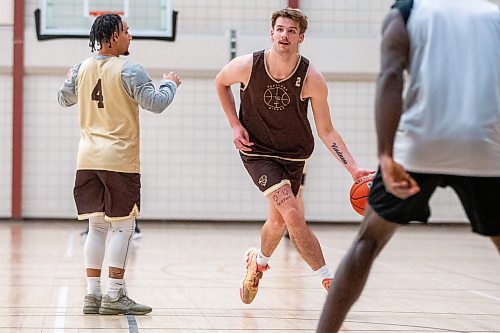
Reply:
x=274, y=138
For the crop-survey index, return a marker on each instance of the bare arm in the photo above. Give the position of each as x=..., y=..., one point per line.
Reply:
x=237, y=71
x=315, y=87
x=389, y=103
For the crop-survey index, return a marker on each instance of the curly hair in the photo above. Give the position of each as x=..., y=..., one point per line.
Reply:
x=291, y=13
x=102, y=30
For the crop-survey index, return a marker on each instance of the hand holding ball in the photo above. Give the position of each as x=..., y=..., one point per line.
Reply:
x=358, y=195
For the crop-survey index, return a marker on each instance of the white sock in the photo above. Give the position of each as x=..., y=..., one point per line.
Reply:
x=262, y=260
x=114, y=286
x=94, y=285
x=324, y=273
x=124, y=288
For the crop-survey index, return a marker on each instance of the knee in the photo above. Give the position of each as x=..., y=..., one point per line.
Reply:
x=293, y=217
x=370, y=245
x=374, y=234
x=98, y=226
x=276, y=222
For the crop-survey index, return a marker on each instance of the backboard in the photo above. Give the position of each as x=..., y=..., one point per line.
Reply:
x=147, y=19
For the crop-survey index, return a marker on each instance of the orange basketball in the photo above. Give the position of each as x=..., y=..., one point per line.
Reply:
x=359, y=194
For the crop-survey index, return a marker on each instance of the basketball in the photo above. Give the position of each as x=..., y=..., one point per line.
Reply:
x=359, y=193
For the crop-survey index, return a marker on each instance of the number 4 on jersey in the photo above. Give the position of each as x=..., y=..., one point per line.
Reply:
x=97, y=95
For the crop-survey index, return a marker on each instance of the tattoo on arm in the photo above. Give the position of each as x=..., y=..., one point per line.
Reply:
x=339, y=153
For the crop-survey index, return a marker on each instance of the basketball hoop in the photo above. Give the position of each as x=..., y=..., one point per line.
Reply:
x=95, y=13
x=157, y=21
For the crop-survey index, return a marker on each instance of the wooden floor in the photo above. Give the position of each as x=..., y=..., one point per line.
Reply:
x=429, y=279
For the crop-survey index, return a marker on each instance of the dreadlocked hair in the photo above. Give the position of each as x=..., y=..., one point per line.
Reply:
x=102, y=30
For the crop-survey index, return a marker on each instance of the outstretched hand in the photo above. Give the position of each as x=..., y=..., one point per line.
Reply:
x=241, y=139
x=397, y=180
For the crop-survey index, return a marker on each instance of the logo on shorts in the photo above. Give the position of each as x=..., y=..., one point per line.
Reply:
x=276, y=97
x=263, y=180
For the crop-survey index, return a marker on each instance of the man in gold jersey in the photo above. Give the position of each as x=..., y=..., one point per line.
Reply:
x=274, y=138
x=108, y=91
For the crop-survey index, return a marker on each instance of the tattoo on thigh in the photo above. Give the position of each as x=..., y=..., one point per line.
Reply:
x=285, y=195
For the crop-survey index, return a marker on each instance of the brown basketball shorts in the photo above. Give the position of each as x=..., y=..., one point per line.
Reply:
x=114, y=195
x=269, y=173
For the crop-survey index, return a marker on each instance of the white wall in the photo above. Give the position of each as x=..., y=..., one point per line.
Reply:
x=190, y=169
x=6, y=33
x=5, y=144
x=6, y=12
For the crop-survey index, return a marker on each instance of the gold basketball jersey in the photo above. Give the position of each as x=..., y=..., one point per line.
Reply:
x=109, y=118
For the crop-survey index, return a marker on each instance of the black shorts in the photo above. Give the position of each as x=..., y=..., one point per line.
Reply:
x=114, y=195
x=480, y=197
x=270, y=173
x=303, y=180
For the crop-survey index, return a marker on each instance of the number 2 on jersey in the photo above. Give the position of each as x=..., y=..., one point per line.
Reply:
x=97, y=95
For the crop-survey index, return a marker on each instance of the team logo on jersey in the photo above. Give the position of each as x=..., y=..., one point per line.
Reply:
x=263, y=180
x=276, y=97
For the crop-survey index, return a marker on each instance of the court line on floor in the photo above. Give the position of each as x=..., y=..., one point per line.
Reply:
x=132, y=324
x=480, y=293
x=472, y=291
x=62, y=303
x=381, y=262
x=378, y=262
x=69, y=245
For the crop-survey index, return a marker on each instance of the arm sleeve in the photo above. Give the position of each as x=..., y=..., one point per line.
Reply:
x=67, y=96
x=404, y=7
x=140, y=87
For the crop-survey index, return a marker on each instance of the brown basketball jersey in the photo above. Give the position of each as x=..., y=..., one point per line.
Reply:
x=274, y=114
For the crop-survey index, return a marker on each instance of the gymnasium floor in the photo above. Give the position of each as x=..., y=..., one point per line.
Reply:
x=428, y=279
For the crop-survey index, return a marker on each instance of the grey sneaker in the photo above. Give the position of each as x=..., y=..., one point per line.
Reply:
x=122, y=305
x=91, y=304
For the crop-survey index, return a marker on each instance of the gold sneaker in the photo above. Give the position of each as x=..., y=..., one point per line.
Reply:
x=250, y=285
